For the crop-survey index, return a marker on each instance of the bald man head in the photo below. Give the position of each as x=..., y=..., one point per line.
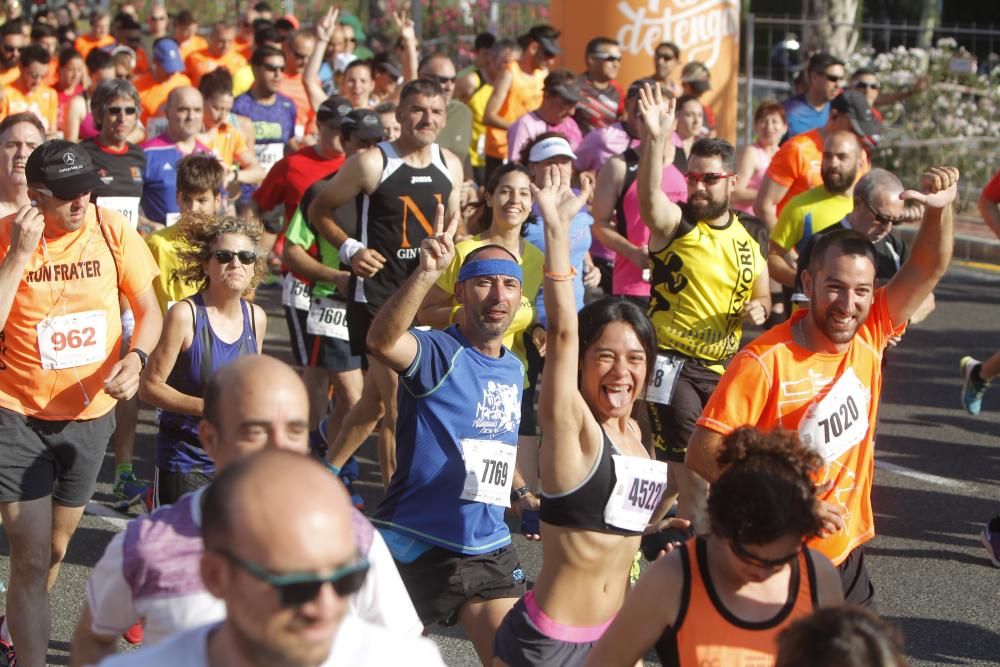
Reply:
x=251, y=538
x=185, y=113
x=256, y=402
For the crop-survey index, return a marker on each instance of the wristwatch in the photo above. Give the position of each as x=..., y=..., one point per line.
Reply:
x=520, y=492
x=143, y=358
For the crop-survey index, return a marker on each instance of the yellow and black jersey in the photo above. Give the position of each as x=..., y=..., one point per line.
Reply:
x=700, y=282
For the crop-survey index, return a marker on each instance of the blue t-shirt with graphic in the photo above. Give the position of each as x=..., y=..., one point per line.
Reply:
x=273, y=127
x=451, y=394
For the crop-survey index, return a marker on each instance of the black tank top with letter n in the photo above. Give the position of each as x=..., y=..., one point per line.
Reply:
x=396, y=217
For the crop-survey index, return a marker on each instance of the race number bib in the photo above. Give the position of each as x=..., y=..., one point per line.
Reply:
x=661, y=385
x=268, y=154
x=489, y=471
x=295, y=293
x=68, y=341
x=127, y=206
x=327, y=318
x=639, y=485
x=839, y=421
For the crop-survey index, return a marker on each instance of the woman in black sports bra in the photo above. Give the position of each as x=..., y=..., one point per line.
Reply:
x=599, y=484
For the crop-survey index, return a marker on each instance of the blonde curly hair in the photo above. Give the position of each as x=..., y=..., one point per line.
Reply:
x=196, y=234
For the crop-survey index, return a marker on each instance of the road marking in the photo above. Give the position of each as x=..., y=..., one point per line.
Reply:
x=107, y=515
x=916, y=474
x=985, y=266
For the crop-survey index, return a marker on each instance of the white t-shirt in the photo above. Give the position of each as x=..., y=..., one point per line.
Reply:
x=114, y=608
x=356, y=643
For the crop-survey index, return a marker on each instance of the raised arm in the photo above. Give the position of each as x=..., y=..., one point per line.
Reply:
x=359, y=174
x=310, y=76
x=389, y=338
x=410, y=59
x=932, y=248
x=656, y=129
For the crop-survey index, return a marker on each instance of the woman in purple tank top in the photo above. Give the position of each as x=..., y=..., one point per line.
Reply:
x=200, y=335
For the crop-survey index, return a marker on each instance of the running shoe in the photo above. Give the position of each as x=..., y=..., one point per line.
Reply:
x=990, y=537
x=128, y=490
x=7, y=657
x=972, y=389
x=134, y=634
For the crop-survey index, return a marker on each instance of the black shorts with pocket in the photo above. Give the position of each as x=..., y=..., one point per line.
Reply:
x=672, y=425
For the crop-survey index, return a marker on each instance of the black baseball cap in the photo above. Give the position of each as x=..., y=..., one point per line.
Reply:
x=63, y=168
x=855, y=106
x=363, y=123
x=333, y=110
x=568, y=89
x=546, y=37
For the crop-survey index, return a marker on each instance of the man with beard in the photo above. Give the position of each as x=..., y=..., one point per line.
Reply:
x=818, y=208
x=399, y=186
x=12, y=40
x=820, y=372
x=709, y=274
x=19, y=135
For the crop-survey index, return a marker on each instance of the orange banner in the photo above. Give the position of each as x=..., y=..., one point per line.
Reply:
x=705, y=30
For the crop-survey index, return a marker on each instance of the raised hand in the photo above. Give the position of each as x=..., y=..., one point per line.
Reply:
x=26, y=231
x=437, y=251
x=407, y=29
x=657, y=114
x=938, y=187
x=327, y=24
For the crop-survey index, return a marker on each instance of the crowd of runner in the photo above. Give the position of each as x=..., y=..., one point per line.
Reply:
x=531, y=282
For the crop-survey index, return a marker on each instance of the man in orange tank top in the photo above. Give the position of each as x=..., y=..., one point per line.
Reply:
x=518, y=90
x=820, y=373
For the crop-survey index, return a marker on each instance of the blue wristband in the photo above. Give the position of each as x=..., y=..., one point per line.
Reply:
x=332, y=468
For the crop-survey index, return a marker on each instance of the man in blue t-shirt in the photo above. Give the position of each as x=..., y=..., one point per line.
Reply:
x=459, y=408
x=811, y=109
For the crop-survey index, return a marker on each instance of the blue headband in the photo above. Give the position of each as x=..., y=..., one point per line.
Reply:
x=490, y=267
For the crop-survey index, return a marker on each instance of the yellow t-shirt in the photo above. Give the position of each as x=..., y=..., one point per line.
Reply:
x=168, y=286
x=808, y=213
x=532, y=262
x=243, y=79
x=477, y=146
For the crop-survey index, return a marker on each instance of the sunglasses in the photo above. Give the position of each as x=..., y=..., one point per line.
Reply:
x=297, y=588
x=767, y=563
x=442, y=80
x=273, y=69
x=246, y=257
x=665, y=57
x=11, y=49
x=709, y=179
x=880, y=218
x=864, y=85
x=606, y=57
x=301, y=56
x=117, y=111
x=157, y=18
x=833, y=78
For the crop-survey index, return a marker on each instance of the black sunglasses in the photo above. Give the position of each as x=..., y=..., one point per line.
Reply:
x=880, y=218
x=767, y=563
x=864, y=85
x=128, y=111
x=273, y=69
x=297, y=588
x=441, y=80
x=833, y=78
x=246, y=257
x=666, y=57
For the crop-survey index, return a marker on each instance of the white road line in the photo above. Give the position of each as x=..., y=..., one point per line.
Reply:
x=107, y=515
x=921, y=476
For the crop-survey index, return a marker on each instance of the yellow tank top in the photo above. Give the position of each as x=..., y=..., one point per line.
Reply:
x=701, y=280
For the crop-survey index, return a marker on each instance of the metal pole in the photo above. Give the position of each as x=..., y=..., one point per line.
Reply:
x=418, y=20
x=748, y=55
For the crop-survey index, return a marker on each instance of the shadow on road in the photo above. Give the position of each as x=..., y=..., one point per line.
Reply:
x=967, y=644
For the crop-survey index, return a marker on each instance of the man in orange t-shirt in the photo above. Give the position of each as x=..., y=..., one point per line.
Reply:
x=64, y=264
x=29, y=93
x=795, y=168
x=220, y=53
x=297, y=48
x=99, y=35
x=820, y=373
x=186, y=34
x=166, y=73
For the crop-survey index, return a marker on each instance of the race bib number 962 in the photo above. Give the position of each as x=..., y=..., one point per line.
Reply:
x=68, y=341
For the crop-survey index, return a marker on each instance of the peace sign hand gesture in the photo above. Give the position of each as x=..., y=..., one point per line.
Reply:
x=437, y=251
x=657, y=114
x=326, y=25
x=407, y=29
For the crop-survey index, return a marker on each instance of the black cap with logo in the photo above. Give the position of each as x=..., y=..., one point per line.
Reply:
x=855, y=106
x=333, y=110
x=363, y=124
x=63, y=168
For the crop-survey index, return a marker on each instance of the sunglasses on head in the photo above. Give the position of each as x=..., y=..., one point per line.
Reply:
x=709, y=178
x=606, y=57
x=246, y=257
x=768, y=563
x=880, y=218
x=128, y=111
x=298, y=588
x=864, y=85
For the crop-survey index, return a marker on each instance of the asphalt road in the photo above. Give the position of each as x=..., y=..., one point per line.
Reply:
x=935, y=486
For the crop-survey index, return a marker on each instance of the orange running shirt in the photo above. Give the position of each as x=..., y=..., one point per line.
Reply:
x=10, y=76
x=67, y=304
x=153, y=94
x=200, y=63
x=706, y=633
x=226, y=142
x=293, y=88
x=797, y=164
x=192, y=44
x=525, y=95
x=84, y=44
x=830, y=399
x=42, y=101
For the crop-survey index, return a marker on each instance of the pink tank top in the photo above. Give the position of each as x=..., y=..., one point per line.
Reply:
x=760, y=156
x=87, y=128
